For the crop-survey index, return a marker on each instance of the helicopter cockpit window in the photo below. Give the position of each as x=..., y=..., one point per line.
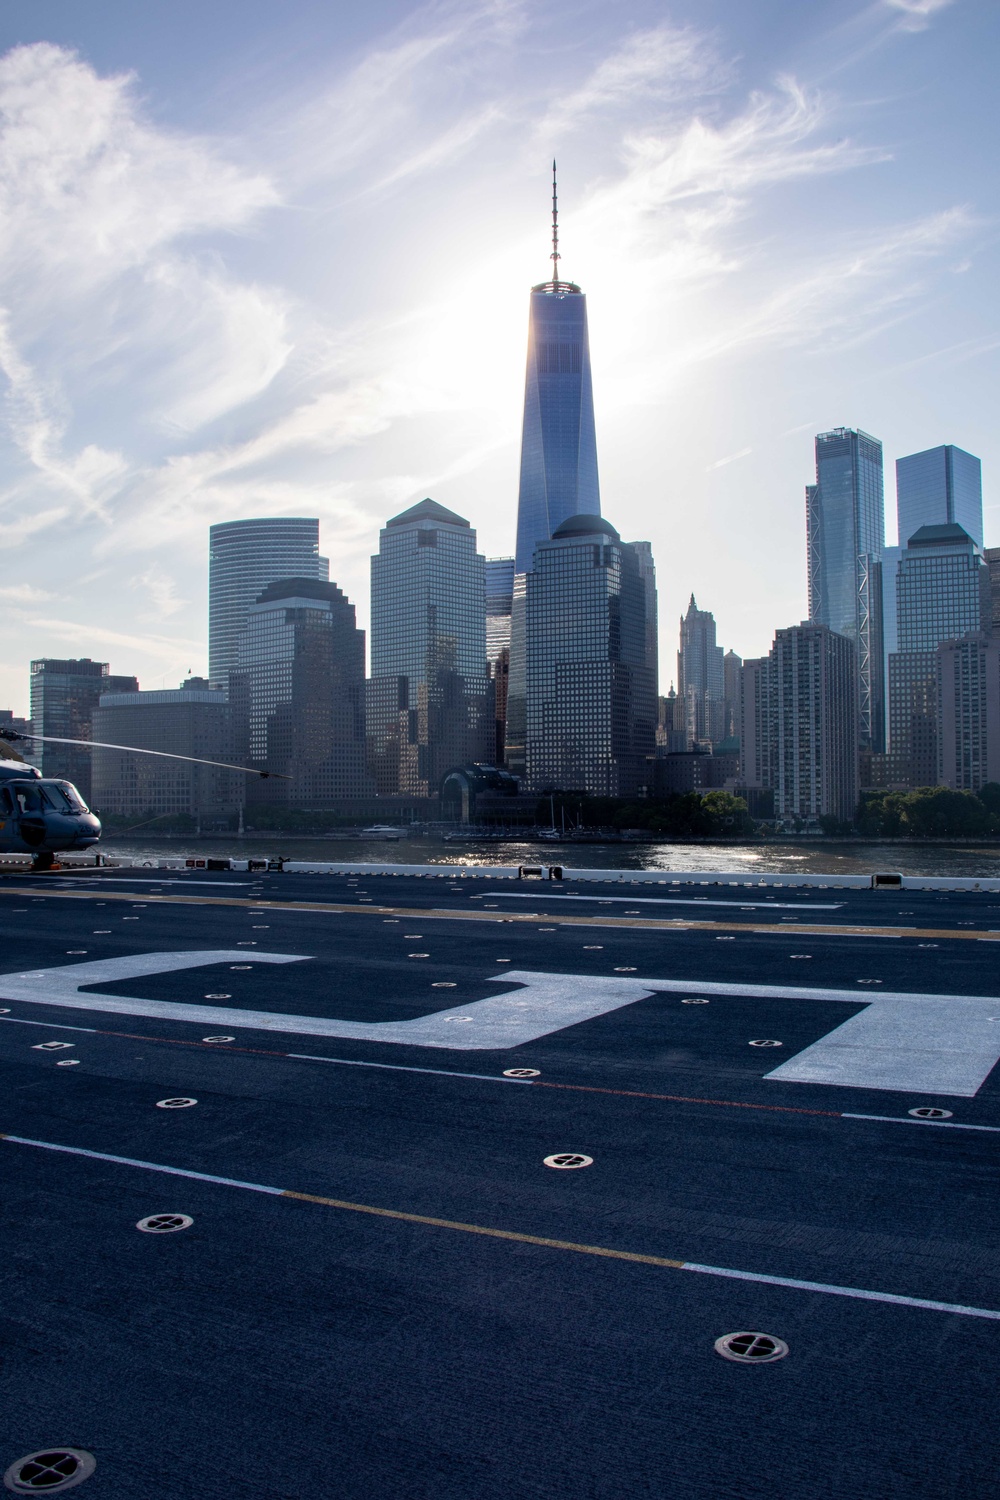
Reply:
x=27, y=798
x=72, y=796
x=6, y=801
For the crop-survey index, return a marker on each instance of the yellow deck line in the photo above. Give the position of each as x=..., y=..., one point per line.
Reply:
x=440, y=914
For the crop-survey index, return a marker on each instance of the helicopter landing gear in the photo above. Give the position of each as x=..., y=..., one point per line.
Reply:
x=43, y=861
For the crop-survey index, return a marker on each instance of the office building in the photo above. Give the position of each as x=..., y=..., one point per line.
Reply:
x=701, y=682
x=671, y=724
x=244, y=557
x=732, y=677
x=942, y=594
x=991, y=556
x=499, y=584
x=558, y=476
x=499, y=601
x=937, y=487
x=590, y=685
x=757, y=729
x=681, y=772
x=192, y=720
x=64, y=697
x=297, y=695
x=429, y=699
x=814, y=707
x=845, y=528
x=968, y=683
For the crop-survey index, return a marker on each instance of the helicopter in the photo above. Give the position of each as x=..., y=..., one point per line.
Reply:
x=45, y=816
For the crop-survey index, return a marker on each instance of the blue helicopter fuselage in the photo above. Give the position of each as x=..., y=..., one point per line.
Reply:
x=40, y=815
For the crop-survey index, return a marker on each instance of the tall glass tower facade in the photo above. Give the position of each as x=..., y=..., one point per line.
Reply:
x=429, y=699
x=591, y=673
x=845, y=528
x=558, y=451
x=296, y=693
x=937, y=487
x=558, y=438
x=942, y=594
x=243, y=558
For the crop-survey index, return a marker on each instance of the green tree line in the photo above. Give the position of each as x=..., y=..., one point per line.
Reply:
x=930, y=812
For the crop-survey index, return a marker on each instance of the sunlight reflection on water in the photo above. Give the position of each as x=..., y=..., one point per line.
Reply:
x=785, y=856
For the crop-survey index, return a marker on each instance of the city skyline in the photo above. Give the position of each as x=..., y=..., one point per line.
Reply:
x=241, y=329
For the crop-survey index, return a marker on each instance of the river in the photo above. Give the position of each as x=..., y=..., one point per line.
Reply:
x=784, y=856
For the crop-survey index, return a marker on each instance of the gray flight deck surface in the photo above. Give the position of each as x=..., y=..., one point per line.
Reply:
x=389, y=1293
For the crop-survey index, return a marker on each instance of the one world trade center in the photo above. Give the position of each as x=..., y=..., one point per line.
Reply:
x=558, y=449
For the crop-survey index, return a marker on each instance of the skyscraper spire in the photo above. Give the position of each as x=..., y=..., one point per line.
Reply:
x=555, y=257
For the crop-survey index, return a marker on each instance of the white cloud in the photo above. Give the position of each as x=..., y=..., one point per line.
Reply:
x=23, y=593
x=662, y=65
x=95, y=289
x=915, y=15
x=721, y=463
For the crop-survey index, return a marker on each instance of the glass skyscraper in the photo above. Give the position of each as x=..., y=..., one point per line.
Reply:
x=244, y=557
x=942, y=594
x=845, y=528
x=429, y=704
x=558, y=450
x=558, y=438
x=296, y=694
x=939, y=486
x=64, y=698
x=499, y=604
x=590, y=670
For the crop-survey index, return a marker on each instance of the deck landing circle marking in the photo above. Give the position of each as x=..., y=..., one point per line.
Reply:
x=695, y=1000
x=444, y=984
x=219, y=996
x=69, y=1062
x=768, y=1043
x=49, y=1471
x=522, y=1072
x=240, y=968
x=218, y=1039
x=926, y=1112
x=751, y=1348
x=459, y=1018
x=175, y=1103
x=567, y=1161
x=164, y=1223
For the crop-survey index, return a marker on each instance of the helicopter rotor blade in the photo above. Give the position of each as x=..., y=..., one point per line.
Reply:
x=224, y=765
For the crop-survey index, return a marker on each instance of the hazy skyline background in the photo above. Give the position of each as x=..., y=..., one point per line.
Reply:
x=259, y=260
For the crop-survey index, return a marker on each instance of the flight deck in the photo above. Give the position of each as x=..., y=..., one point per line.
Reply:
x=447, y=1184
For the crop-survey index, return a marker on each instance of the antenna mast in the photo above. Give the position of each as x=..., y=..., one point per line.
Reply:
x=555, y=257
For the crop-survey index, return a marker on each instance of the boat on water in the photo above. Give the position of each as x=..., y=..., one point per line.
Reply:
x=383, y=831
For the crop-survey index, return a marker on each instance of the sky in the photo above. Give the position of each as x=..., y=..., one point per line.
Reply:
x=274, y=259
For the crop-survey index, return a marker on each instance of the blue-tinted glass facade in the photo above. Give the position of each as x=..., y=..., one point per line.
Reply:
x=942, y=593
x=429, y=699
x=938, y=486
x=845, y=523
x=243, y=558
x=296, y=694
x=558, y=439
x=590, y=683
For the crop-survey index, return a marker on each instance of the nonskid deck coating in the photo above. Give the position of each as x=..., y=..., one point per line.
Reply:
x=487, y=1362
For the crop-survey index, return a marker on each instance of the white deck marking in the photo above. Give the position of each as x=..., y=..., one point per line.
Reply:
x=930, y=1044
x=823, y=1287
x=735, y=903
